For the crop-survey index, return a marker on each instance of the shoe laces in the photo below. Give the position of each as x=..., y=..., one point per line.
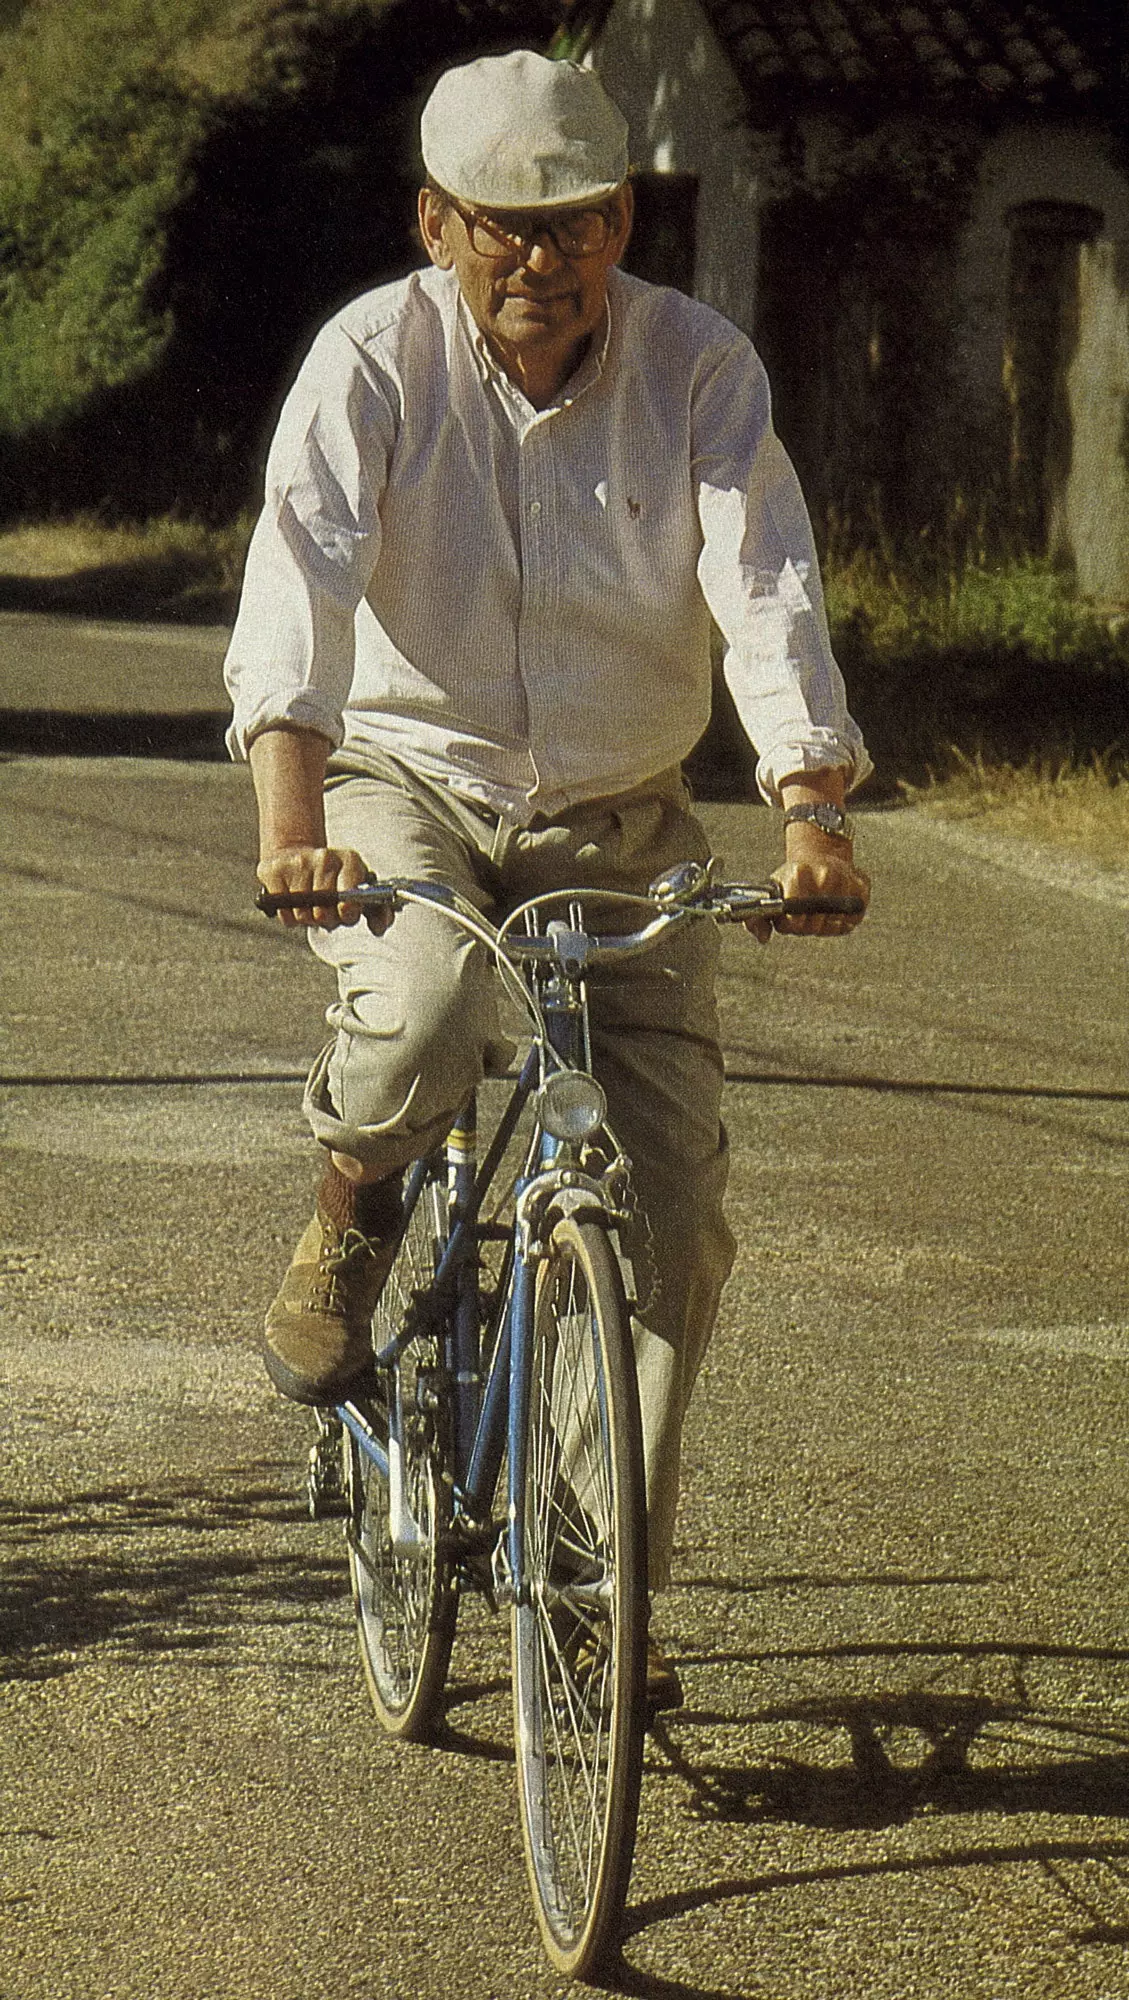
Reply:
x=352, y=1247
x=335, y=1261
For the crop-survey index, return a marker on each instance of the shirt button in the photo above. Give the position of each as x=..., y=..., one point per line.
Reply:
x=534, y=509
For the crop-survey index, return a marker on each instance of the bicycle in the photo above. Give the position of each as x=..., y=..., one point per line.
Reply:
x=503, y=1367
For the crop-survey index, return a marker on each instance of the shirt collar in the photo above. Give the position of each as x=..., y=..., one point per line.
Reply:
x=494, y=375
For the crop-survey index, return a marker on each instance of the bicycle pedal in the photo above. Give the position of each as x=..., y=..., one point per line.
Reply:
x=326, y=1494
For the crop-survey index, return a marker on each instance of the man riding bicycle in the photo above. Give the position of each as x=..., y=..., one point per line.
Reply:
x=504, y=497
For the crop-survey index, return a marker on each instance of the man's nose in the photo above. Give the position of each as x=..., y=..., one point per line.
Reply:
x=542, y=254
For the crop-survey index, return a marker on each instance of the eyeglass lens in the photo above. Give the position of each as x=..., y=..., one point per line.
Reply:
x=580, y=234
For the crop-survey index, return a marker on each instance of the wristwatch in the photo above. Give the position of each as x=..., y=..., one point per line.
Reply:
x=828, y=818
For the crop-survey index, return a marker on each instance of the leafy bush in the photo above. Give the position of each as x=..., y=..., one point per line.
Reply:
x=186, y=187
x=97, y=133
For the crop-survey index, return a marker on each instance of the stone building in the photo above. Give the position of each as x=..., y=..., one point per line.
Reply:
x=921, y=214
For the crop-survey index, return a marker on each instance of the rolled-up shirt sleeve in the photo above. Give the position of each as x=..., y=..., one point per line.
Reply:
x=316, y=543
x=760, y=577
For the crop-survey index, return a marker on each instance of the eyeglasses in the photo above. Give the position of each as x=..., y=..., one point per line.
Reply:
x=575, y=232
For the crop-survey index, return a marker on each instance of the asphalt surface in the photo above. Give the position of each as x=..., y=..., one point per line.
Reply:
x=900, y=1606
x=89, y=683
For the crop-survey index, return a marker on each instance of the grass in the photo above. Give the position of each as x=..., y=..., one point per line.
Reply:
x=67, y=548
x=897, y=611
x=1083, y=808
x=1004, y=693
x=991, y=690
x=169, y=567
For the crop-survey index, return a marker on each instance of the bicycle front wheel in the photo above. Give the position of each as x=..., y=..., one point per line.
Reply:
x=579, y=1620
x=404, y=1593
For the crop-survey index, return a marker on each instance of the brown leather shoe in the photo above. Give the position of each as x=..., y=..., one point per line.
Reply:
x=318, y=1331
x=664, y=1688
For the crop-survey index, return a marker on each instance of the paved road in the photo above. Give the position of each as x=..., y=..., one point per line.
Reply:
x=901, y=1606
x=97, y=666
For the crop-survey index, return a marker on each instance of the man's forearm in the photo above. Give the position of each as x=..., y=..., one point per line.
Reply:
x=813, y=788
x=288, y=769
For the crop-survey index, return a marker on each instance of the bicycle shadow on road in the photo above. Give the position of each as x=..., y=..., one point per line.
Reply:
x=908, y=1754
x=173, y=1569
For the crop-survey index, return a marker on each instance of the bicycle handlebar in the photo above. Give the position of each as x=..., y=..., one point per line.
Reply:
x=679, y=897
x=725, y=902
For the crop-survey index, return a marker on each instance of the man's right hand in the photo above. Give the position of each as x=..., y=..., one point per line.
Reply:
x=288, y=766
x=302, y=870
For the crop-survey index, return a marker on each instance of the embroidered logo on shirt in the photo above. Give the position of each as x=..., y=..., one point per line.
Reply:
x=634, y=507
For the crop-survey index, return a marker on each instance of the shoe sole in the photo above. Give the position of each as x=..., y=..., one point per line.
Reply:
x=311, y=1390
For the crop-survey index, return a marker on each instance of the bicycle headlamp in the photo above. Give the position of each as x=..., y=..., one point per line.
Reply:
x=571, y=1104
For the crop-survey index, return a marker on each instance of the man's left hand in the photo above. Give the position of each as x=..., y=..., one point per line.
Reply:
x=816, y=864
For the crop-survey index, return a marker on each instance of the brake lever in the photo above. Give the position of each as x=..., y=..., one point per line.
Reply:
x=738, y=908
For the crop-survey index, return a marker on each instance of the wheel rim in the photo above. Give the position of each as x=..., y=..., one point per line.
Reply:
x=401, y=1593
x=574, y=1637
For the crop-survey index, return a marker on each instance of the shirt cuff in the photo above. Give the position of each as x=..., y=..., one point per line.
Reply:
x=306, y=709
x=824, y=750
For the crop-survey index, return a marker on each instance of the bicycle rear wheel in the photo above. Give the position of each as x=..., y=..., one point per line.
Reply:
x=404, y=1593
x=579, y=1627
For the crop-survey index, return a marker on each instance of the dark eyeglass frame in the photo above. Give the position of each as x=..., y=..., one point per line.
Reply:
x=506, y=234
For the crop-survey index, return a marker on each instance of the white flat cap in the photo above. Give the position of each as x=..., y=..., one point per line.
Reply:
x=521, y=131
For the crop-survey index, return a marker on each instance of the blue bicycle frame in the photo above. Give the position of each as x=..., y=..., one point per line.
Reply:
x=488, y=1419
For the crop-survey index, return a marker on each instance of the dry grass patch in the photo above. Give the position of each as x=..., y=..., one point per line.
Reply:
x=68, y=548
x=1083, y=807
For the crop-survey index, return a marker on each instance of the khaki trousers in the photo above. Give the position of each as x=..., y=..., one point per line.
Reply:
x=417, y=1026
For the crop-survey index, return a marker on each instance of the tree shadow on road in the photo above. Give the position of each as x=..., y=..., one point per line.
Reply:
x=178, y=588
x=883, y=1756
x=173, y=1568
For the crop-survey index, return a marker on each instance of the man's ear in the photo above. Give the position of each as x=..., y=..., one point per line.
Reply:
x=432, y=221
x=625, y=200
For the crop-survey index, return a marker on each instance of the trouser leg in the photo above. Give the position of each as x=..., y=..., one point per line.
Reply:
x=663, y=1093
x=415, y=1020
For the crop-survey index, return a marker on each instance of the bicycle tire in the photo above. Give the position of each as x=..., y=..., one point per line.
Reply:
x=405, y=1600
x=579, y=1625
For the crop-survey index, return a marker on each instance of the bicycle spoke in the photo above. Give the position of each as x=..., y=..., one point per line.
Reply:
x=402, y=1592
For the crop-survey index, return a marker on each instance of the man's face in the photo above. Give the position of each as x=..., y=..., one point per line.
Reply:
x=531, y=300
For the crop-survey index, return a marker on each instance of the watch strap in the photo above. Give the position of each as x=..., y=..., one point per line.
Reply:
x=829, y=818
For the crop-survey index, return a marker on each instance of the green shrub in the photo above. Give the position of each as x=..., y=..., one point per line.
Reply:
x=97, y=138
x=186, y=188
x=1026, y=603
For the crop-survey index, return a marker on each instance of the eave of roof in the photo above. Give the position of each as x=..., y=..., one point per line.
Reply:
x=961, y=55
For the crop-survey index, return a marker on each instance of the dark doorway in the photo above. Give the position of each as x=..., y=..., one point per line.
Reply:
x=1039, y=344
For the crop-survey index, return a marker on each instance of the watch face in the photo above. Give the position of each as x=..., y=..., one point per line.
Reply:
x=828, y=817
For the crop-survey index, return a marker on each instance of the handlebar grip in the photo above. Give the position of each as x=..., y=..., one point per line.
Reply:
x=271, y=902
x=372, y=894
x=822, y=906
x=377, y=900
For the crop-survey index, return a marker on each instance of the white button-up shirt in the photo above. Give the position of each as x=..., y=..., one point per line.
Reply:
x=517, y=602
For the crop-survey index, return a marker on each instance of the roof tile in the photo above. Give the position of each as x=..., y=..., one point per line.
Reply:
x=989, y=50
